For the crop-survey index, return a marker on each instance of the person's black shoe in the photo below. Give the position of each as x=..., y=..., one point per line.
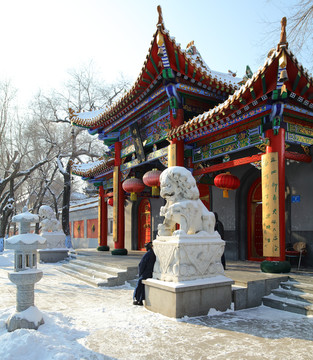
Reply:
x=139, y=303
x=135, y=302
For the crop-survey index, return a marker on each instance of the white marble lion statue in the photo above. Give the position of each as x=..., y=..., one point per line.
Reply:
x=183, y=206
x=48, y=220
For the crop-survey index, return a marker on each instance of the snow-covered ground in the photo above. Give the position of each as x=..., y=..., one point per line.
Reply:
x=83, y=322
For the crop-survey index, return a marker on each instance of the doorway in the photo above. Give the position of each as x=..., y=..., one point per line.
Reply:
x=144, y=224
x=254, y=217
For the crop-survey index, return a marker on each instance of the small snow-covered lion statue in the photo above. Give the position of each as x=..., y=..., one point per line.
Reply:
x=183, y=206
x=48, y=219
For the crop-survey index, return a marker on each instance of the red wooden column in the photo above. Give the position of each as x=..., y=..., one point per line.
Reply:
x=178, y=145
x=277, y=144
x=118, y=202
x=102, y=219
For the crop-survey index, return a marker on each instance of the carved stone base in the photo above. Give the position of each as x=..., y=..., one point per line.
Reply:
x=20, y=321
x=188, y=257
x=55, y=239
x=52, y=255
x=188, y=298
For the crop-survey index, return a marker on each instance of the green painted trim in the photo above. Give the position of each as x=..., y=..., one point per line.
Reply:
x=305, y=89
x=177, y=61
x=252, y=93
x=298, y=117
x=295, y=84
x=146, y=81
x=149, y=73
x=194, y=73
x=154, y=65
x=263, y=84
x=186, y=68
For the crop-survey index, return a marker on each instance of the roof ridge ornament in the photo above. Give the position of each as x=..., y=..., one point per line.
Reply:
x=283, y=35
x=160, y=23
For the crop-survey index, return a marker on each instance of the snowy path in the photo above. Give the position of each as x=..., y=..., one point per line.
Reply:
x=83, y=322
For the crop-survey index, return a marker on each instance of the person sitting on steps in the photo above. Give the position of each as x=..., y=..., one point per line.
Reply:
x=145, y=271
x=220, y=229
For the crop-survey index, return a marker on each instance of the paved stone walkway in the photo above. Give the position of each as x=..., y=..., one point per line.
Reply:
x=115, y=329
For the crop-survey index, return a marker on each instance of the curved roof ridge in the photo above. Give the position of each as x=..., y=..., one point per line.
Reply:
x=199, y=119
x=92, y=168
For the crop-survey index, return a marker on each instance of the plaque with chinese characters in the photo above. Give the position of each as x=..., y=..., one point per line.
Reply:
x=115, y=202
x=270, y=205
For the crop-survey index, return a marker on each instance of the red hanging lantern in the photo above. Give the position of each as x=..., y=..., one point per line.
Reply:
x=110, y=201
x=226, y=181
x=134, y=186
x=152, y=179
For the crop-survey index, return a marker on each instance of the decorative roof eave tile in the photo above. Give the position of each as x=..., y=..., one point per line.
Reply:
x=220, y=110
x=93, y=169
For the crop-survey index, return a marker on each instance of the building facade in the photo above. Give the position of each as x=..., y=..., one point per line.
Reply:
x=249, y=137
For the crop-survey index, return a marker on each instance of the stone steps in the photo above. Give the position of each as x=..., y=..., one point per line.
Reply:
x=297, y=286
x=94, y=272
x=294, y=295
x=249, y=288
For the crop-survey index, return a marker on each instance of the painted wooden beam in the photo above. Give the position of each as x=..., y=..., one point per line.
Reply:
x=177, y=61
x=149, y=73
x=264, y=89
x=228, y=165
x=154, y=65
x=296, y=82
x=252, y=92
x=305, y=89
x=249, y=160
x=298, y=157
x=186, y=68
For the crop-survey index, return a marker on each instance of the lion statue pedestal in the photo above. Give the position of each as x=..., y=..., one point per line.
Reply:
x=188, y=277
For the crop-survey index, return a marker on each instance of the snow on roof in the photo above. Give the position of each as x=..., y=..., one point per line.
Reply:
x=92, y=168
x=196, y=59
x=90, y=115
x=84, y=204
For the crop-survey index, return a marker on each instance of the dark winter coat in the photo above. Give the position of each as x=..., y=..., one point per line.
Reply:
x=146, y=264
x=145, y=271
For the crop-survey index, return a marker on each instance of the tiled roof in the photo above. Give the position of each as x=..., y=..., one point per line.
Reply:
x=93, y=169
x=150, y=76
x=240, y=100
x=220, y=111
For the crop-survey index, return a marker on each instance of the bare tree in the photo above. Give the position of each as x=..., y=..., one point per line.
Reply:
x=301, y=25
x=83, y=91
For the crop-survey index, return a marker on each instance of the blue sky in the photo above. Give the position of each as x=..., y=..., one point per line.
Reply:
x=43, y=39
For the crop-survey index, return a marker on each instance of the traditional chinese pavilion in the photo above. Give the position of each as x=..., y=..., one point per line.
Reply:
x=246, y=141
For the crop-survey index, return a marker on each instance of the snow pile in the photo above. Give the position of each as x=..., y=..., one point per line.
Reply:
x=7, y=259
x=57, y=339
x=32, y=314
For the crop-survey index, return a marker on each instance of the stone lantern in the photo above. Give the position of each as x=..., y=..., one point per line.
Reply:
x=25, y=273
